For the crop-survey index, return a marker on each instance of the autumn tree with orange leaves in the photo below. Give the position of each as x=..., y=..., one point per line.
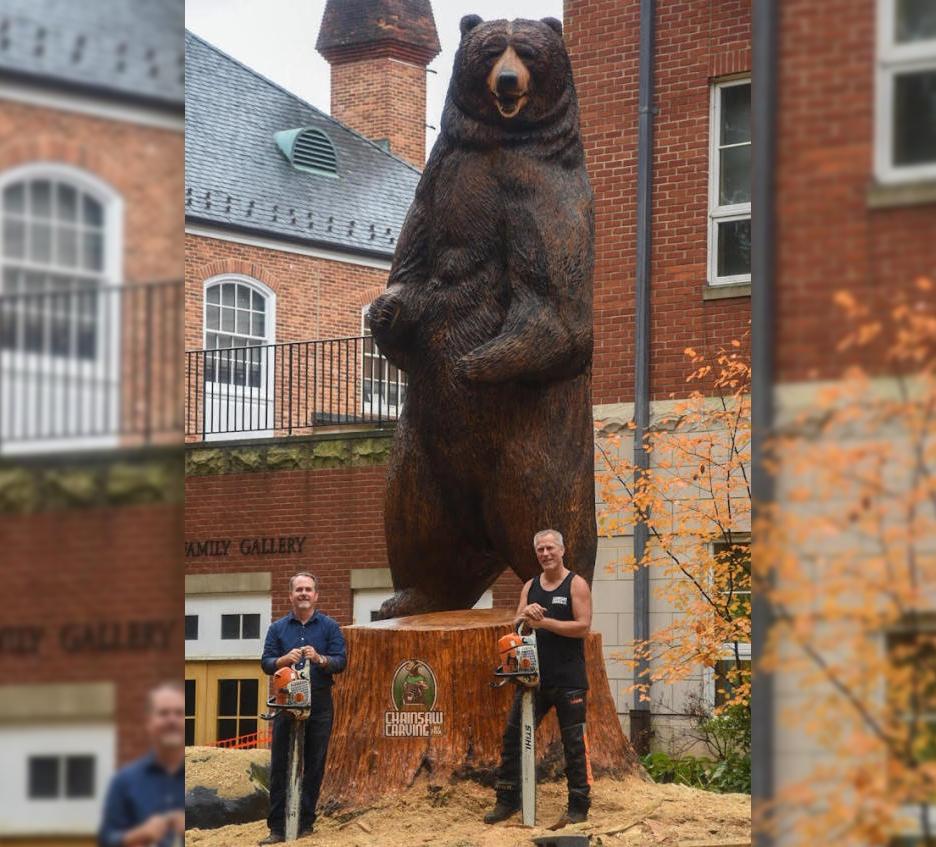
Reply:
x=847, y=560
x=696, y=502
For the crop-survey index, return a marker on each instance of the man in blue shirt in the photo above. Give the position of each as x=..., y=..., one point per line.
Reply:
x=310, y=635
x=145, y=803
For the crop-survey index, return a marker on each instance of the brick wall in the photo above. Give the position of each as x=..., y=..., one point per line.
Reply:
x=316, y=298
x=697, y=41
x=150, y=180
x=383, y=98
x=831, y=239
x=88, y=566
x=340, y=510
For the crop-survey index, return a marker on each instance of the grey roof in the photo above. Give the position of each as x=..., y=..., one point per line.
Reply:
x=237, y=177
x=125, y=49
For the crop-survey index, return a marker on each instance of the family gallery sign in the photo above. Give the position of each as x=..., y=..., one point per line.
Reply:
x=272, y=545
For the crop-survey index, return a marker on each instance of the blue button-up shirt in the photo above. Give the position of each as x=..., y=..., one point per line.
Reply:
x=320, y=631
x=137, y=792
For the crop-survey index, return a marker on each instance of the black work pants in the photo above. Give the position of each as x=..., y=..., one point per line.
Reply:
x=317, y=728
x=570, y=710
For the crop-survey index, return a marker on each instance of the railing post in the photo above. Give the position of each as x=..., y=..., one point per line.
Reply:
x=147, y=367
x=289, y=390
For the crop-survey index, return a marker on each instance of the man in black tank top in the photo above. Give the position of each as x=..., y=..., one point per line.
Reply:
x=557, y=604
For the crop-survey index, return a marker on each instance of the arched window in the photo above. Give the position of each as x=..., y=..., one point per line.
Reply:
x=383, y=385
x=56, y=247
x=239, y=315
x=60, y=309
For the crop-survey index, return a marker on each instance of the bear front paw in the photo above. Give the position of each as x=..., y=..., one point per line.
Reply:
x=383, y=314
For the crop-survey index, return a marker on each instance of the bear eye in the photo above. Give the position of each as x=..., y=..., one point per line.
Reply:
x=493, y=51
x=524, y=51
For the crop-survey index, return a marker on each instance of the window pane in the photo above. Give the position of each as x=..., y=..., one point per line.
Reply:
x=735, y=173
x=67, y=203
x=191, y=627
x=251, y=626
x=14, y=239
x=257, y=328
x=249, y=690
x=79, y=776
x=227, y=696
x=915, y=118
x=258, y=303
x=227, y=293
x=230, y=628
x=243, y=322
x=94, y=251
x=227, y=728
x=916, y=20
x=14, y=198
x=734, y=247
x=66, y=252
x=190, y=732
x=92, y=211
x=43, y=777
x=248, y=727
x=227, y=320
x=735, y=114
x=40, y=243
x=243, y=297
x=41, y=197
x=213, y=295
x=190, y=698
x=213, y=317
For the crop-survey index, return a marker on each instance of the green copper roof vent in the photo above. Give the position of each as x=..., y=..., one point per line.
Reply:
x=308, y=150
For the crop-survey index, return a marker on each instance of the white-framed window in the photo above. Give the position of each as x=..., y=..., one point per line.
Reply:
x=60, y=264
x=237, y=316
x=383, y=385
x=729, y=235
x=905, y=97
x=719, y=680
x=229, y=626
x=240, y=359
x=54, y=777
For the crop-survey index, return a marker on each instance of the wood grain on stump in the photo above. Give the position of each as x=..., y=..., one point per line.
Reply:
x=465, y=723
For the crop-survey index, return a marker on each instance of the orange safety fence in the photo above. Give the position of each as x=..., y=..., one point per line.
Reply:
x=249, y=741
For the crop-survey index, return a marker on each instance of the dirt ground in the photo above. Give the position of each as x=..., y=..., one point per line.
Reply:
x=624, y=812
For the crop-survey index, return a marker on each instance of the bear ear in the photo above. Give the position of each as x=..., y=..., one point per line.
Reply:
x=554, y=24
x=468, y=23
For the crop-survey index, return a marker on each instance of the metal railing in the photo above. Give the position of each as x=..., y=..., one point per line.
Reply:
x=270, y=390
x=86, y=365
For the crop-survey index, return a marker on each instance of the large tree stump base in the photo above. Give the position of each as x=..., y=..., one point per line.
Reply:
x=383, y=739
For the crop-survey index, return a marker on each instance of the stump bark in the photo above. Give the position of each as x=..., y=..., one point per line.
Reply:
x=383, y=741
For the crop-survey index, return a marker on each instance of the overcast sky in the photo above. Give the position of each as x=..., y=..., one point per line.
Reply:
x=277, y=38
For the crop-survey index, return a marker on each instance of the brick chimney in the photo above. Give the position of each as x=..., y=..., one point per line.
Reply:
x=378, y=51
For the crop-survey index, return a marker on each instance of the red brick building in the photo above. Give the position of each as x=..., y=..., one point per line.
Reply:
x=91, y=151
x=327, y=486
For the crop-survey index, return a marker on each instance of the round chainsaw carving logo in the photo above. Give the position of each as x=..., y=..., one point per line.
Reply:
x=413, y=693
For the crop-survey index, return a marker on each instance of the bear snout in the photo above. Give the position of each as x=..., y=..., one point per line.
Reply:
x=507, y=82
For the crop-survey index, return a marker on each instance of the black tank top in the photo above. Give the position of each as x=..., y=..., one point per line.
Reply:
x=562, y=659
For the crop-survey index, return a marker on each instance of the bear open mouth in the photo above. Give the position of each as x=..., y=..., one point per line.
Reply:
x=510, y=104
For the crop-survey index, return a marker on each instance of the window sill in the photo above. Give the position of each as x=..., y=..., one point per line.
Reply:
x=723, y=292
x=908, y=194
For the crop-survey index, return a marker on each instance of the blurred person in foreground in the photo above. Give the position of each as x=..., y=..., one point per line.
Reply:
x=146, y=800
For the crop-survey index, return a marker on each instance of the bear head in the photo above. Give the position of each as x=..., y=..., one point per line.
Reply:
x=511, y=73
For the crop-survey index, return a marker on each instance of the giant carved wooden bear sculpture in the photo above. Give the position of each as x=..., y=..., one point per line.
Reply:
x=488, y=310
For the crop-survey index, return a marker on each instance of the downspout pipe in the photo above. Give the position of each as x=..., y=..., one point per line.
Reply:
x=640, y=713
x=763, y=234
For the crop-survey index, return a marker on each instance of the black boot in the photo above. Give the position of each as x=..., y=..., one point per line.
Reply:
x=502, y=810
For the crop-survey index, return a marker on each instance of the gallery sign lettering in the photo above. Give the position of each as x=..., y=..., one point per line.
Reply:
x=413, y=694
x=272, y=545
x=87, y=637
